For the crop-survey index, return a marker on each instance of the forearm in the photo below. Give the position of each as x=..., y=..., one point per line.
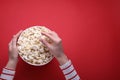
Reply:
x=62, y=59
x=68, y=69
x=11, y=64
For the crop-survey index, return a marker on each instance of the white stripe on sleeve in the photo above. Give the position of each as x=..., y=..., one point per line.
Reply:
x=76, y=78
x=71, y=75
x=8, y=71
x=68, y=70
x=66, y=65
x=7, y=77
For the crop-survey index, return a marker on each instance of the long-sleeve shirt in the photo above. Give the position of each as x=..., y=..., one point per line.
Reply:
x=67, y=69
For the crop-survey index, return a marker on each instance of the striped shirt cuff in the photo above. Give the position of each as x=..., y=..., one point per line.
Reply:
x=7, y=74
x=69, y=71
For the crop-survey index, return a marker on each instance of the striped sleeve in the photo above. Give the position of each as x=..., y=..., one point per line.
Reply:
x=69, y=71
x=7, y=74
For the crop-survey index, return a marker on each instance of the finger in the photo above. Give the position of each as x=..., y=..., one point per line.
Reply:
x=45, y=42
x=54, y=33
x=48, y=35
x=49, y=30
x=18, y=34
x=14, y=40
x=15, y=37
x=10, y=43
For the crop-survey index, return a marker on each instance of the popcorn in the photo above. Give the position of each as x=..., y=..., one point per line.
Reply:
x=31, y=50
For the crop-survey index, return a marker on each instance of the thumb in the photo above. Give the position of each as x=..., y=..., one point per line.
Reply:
x=45, y=42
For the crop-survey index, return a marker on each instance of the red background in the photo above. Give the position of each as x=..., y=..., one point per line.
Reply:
x=89, y=30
